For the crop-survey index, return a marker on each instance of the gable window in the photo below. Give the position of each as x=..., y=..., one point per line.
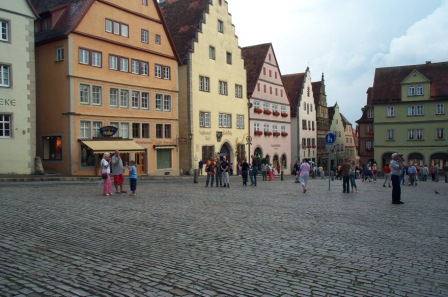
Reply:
x=220, y=26
x=5, y=126
x=144, y=36
x=4, y=30
x=5, y=76
x=212, y=53
x=370, y=113
x=419, y=90
x=204, y=83
x=229, y=58
x=440, y=133
x=222, y=88
x=238, y=91
x=390, y=111
x=145, y=2
x=204, y=119
x=440, y=108
x=411, y=91
x=158, y=39
x=59, y=54
x=117, y=28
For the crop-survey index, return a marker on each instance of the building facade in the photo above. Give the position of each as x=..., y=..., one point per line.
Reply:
x=213, y=108
x=350, y=145
x=410, y=115
x=365, y=132
x=17, y=88
x=107, y=80
x=269, y=113
x=322, y=121
x=303, y=116
x=337, y=155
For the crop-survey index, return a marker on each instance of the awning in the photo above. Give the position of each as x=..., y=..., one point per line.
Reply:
x=164, y=147
x=109, y=146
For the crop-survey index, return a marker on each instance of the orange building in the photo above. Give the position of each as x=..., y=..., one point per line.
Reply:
x=103, y=64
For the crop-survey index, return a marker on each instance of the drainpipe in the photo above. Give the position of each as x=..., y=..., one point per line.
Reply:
x=190, y=116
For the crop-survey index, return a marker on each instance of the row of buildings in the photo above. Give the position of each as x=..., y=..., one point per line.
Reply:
x=165, y=83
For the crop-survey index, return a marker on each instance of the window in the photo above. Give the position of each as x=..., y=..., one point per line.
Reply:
x=266, y=127
x=117, y=28
x=229, y=58
x=415, y=110
x=225, y=120
x=87, y=156
x=158, y=39
x=238, y=91
x=256, y=104
x=96, y=128
x=158, y=71
x=124, y=98
x=256, y=126
x=5, y=126
x=266, y=105
x=135, y=99
x=97, y=95
x=52, y=147
x=390, y=134
x=135, y=130
x=440, y=108
x=144, y=36
x=283, y=127
x=4, y=30
x=420, y=110
x=84, y=56
x=5, y=76
x=84, y=131
x=411, y=91
x=204, y=83
x=240, y=122
x=124, y=65
x=220, y=26
x=440, y=133
x=222, y=88
x=390, y=111
x=283, y=109
x=419, y=90
x=159, y=99
x=145, y=130
x=135, y=66
x=415, y=134
x=113, y=97
x=204, y=119
x=166, y=103
x=166, y=72
x=109, y=26
x=59, y=54
x=96, y=59
x=164, y=160
x=167, y=131
x=145, y=2
x=163, y=131
x=113, y=62
x=211, y=53
x=124, y=130
x=84, y=94
x=144, y=68
x=274, y=128
x=274, y=108
x=145, y=100
x=411, y=110
x=370, y=113
x=369, y=144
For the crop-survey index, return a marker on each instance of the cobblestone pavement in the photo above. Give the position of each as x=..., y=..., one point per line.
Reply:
x=177, y=238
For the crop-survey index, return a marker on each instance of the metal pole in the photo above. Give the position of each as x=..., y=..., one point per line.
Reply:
x=329, y=175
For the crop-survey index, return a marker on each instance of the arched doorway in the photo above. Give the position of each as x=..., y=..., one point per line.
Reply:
x=226, y=152
x=276, y=163
x=258, y=153
x=284, y=161
x=441, y=159
x=415, y=158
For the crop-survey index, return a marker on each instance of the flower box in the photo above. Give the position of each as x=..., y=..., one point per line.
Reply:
x=258, y=110
x=267, y=111
x=284, y=134
x=267, y=133
x=284, y=114
x=276, y=134
x=276, y=113
x=258, y=133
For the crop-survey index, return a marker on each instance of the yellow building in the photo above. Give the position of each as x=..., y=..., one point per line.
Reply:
x=213, y=108
x=103, y=64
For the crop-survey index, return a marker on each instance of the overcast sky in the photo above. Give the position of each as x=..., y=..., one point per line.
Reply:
x=345, y=39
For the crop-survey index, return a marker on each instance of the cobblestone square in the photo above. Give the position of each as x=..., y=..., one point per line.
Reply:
x=177, y=238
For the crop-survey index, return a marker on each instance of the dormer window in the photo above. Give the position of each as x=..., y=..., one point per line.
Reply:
x=415, y=91
x=220, y=26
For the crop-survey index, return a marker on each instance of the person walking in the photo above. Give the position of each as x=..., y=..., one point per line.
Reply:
x=132, y=177
x=210, y=170
x=396, y=166
x=345, y=172
x=200, y=166
x=264, y=171
x=244, y=171
x=117, y=172
x=412, y=171
x=105, y=172
x=254, y=170
x=225, y=172
x=304, y=173
x=353, y=177
x=386, y=171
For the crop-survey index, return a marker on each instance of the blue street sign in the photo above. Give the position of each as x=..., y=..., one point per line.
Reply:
x=330, y=138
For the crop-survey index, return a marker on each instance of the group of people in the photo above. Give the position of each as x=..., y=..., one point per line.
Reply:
x=115, y=164
x=220, y=169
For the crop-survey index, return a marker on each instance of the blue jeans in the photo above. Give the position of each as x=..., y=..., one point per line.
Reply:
x=345, y=185
x=353, y=181
x=212, y=176
x=255, y=173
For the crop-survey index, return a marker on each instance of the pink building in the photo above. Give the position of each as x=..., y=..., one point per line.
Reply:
x=269, y=109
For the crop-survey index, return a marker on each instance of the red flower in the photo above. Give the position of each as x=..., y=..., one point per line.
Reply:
x=258, y=110
x=276, y=134
x=276, y=113
x=267, y=111
x=284, y=114
x=267, y=133
x=284, y=134
x=258, y=133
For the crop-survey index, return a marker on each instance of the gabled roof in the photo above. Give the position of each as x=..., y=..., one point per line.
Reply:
x=254, y=58
x=70, y=15
x=293, y=84
x=183, y=19
x=387, y=81
x=345, y=122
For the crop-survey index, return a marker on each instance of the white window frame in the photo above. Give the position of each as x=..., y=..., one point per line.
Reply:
x=59, y=54
x=370, y=114
x=5, y=126
x=84, y=56
x=109, y=26
x=256, y=126
x=390, y=111
x=411, y=91
x=145, y=36
x=4, y=30
x=84, y=130
x=158, y=71
x=239, y=121
x=220, y=26
x=113, y=62
x=166, y=102
x=229, y=58
x=124, y=130
x=419, y=91
x=257, y=104
x=124, y=98
x=283, y=109
x=266, y=127
x=266, y=105
x=96, y=128
x=113, y=97
x=159, y=102
x=411, y=110
x=420, y=110
x=440, y=108
x=440, y=133
x=204, y=84
x=222, y=87
x=135, y=66
x=166, y=72
x=390, y=134
x=158, y=39
x=212, y=52
x=84, y=94
x=124, y=64
x=96, y=59
x=145, y=100
x=274, y=107
x=283, y=128
x=274, y=128
x=144, y=68
x=204, y=119
x=135, y=99
x=97, y=95
x=5, y=76
x=238, y=91
x=225, y=120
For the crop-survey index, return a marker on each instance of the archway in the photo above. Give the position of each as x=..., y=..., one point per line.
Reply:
x=226, y=152
x=258, y=152
x=284, y=161
x=276, y=163
x=441, y=159
x=415, y=158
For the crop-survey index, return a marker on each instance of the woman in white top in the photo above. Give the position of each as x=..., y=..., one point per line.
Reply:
x=304, y=173
x=105, y=172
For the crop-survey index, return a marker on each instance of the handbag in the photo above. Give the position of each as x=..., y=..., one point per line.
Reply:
x=104, y=176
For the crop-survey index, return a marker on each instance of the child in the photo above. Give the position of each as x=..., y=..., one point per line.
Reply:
x=132, y=177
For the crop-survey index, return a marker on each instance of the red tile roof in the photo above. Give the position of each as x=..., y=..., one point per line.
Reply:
x=183, y=19
x=293, y=84
x=387, y=81
x=254, y=58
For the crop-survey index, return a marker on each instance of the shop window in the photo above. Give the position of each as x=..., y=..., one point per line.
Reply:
x=52, y=147
x=87, y=156
x=164, y=159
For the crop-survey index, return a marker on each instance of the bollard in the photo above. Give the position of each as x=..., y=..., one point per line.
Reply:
x=281, y=174
x=38, y=167
x=446, y=177
x=195, y=176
